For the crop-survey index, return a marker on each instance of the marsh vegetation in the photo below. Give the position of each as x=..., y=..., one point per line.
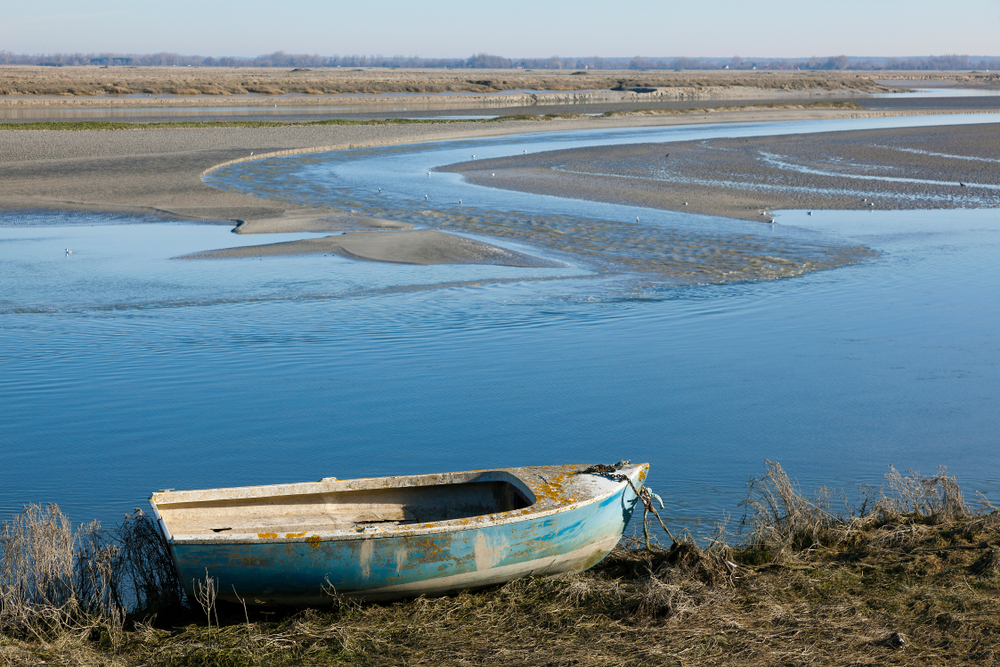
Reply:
x=908, y=574
x=80, y=81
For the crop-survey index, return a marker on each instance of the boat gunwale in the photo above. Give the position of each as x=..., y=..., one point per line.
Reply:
x=635, y=473
x=331, y=485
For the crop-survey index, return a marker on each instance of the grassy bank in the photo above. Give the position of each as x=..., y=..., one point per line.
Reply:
x=119, y=82
x=909, y=574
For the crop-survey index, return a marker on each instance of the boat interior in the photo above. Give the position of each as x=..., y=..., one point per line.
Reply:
x=292, y=514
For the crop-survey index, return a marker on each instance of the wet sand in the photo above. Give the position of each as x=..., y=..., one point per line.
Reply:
x=159, y=171
x=912, y=168
x=310, y=221
x=420, y=246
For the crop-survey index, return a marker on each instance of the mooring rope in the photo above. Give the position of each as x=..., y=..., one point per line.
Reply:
x=645, y=496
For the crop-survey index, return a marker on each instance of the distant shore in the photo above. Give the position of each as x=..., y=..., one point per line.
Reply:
x=22, y=85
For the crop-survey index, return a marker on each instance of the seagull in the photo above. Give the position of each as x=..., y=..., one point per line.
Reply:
x=809, y=213
x=425, y=197
x=380, y=189
x=251, y=153
x=68, y=251
x=493, y=174
x=428, y=174
x=459, y=201
x=685, y=203
x=637, y=218
x=473, y=157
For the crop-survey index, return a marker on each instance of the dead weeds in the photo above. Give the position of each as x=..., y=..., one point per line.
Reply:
x=910, y=576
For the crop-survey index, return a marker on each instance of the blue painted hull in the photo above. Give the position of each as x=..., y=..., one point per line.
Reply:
x=390, y=565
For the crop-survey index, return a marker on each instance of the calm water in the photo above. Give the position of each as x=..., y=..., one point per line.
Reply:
x=123, y=371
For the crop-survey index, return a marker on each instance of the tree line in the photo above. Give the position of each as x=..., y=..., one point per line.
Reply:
x=488, y=61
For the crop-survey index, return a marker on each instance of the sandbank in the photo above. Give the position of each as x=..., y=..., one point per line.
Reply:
x=420, y=246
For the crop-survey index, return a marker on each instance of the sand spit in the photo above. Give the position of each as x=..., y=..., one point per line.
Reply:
x=911, y=168
x=159, y=170
x=420, y=246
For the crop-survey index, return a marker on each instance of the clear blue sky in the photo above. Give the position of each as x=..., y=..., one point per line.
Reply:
x=511, y=28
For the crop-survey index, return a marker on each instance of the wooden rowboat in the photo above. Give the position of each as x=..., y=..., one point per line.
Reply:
x=394, y=537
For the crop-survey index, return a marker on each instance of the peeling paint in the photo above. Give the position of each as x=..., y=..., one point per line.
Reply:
x=487, y=555
x=367, y=551
x=401, y=556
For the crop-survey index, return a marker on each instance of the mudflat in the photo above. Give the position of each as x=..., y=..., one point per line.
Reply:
x=159, y=170
x=909, y=168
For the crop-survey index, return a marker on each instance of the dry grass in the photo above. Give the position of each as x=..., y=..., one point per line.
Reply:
x=57, y=583
x=909, y=576
x=223, y=81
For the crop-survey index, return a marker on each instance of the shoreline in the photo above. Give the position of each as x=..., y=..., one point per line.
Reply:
x=911, y=576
